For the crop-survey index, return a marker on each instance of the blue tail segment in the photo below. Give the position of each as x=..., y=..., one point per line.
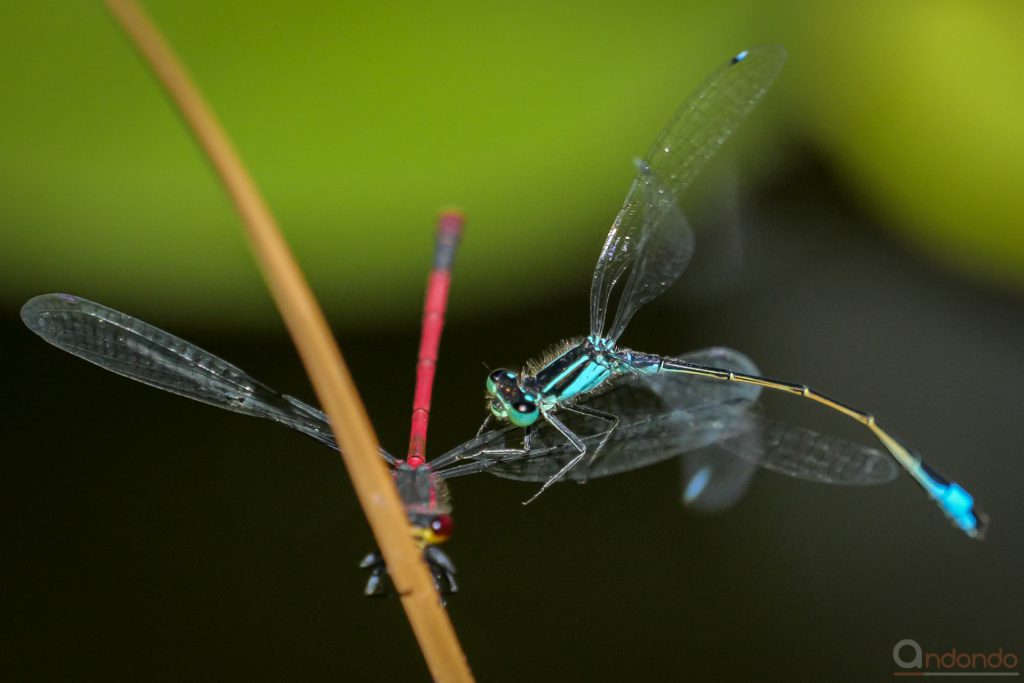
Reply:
x=955, y=502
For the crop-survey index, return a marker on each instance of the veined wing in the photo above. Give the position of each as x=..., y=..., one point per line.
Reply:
x=120, y=343
x=659, y=417
x=651, y=240
x=810, y=455
x=650, y=237
x=663, y=416
x=717, y=476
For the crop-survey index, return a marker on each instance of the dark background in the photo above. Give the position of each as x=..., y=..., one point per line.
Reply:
x=870, y=245
x=152, y=538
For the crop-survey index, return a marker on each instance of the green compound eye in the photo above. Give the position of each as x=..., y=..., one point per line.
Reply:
x=523, y=413
x=497, y=409
x=499, y=378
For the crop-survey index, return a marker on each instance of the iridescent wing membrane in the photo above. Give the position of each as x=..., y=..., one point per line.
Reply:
x=137, y=350
x=650, y=242
x=662, y=416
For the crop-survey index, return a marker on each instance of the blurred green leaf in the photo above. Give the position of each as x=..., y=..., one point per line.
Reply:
x=360, y=121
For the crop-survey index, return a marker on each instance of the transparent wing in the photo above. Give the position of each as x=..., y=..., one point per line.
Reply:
x=727, y=429
x=652, y=240
x=809, y=455
x=125, y=345
x=710, y=115
x=659, y=417
x=670, y=415
x=650, y=237
x=714, y=479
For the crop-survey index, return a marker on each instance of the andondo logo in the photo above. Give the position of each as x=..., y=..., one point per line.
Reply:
x=913, y=660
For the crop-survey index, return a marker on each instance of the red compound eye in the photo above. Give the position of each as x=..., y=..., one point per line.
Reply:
x=441, y=526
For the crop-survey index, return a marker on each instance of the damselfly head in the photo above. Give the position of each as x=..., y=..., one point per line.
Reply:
x=507, y=400
x=500, y=380
x=431, y=529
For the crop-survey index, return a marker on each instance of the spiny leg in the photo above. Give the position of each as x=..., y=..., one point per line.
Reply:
x=376, y=584
x=601, y=415
x=952, y=499
x=497, y=455
x=483, y=425
x=490, y=457
x=482, y=461
x=441, y=569
x=575, y=441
